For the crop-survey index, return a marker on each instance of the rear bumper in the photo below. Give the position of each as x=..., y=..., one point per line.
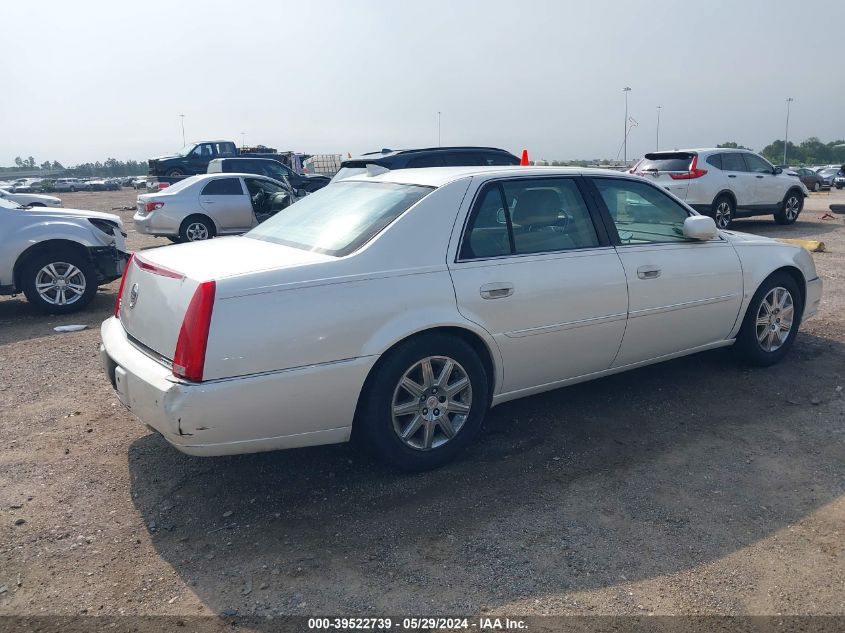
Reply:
x=286, y=409
x=154, y=224
x=813, y=299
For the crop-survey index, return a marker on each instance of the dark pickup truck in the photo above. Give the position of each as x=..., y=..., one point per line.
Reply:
x=195, y=157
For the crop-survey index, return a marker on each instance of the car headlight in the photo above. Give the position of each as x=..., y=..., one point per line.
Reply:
x=106, y=226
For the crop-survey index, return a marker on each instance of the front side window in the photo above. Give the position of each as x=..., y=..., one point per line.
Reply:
x=223, y=187
x=757, y=164
x=339, y=219
x=642, y=213
x=524, y=217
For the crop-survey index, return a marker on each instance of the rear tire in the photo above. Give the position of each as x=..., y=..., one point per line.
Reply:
x=444, y=405
x=196, y=229
x=723, y=211
x=817, y=187
x=765, y=336
x=790, y=208
x=174, y=173
x=59, y=282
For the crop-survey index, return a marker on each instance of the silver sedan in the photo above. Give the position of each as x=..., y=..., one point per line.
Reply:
x=201, y=207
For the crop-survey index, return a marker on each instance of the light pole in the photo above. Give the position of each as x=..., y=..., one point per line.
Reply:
x=626, y=90
x=786, y=136
x=243, y=140
x=182, y=116
x=657, y=140
x=438, y=128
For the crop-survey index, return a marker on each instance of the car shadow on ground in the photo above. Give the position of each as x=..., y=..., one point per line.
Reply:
x=629, y=477
x=805, y=227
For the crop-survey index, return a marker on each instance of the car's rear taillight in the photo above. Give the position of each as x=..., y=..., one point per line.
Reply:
x=149, y=207
x=694, y=171
x=122, y=284
x=189, y=358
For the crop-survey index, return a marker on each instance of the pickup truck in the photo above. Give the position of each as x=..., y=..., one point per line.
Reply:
x=194, y=158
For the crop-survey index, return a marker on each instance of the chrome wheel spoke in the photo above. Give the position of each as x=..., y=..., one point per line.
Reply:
x=441, y=399
x=775, y=318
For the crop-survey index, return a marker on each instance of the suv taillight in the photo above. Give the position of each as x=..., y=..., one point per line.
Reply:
x=149, y=207
x=694, y=171
x=122, y=284
x=189, y=358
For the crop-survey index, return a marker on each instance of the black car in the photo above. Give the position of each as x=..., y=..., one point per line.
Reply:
x=427, y=157
x=301, y=183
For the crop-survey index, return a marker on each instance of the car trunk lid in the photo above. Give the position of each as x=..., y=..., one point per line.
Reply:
x=161, y=283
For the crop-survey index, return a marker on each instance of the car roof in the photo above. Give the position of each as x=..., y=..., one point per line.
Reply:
x=391, y=153
x=440, y=176
x=700, y=150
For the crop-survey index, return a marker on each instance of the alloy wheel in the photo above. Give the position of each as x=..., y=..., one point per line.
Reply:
x=60, y=283
x=791, y=208
x=723, y=215
x=196, y=231
x=775, y=317
x=431, y=403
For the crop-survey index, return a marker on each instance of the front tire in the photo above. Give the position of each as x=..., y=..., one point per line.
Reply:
x=723, y=211
x=771, y=321
x=424, y=403
x=59, y=283
x=790, y=208
x=196, y=229
x=817, y=187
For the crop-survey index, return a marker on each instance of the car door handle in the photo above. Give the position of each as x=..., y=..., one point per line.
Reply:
x=648, y=272
x=731, y=175
x=759, y=176
x=496, y=290
x=206, y=201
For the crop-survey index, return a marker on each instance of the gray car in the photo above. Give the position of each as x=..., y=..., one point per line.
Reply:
x=201, y=207
x=58, y=257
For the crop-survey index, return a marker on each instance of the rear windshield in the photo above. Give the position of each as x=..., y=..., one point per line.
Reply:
x=337, y=220
x=346, y=172
x=181, y=184
x=676, y=161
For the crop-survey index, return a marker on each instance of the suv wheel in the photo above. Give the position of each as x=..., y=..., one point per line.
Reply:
x=817, y=186
x=174, y=173
x=790, y=208
x=723, y=210
x=425, y=403
x=59, y=282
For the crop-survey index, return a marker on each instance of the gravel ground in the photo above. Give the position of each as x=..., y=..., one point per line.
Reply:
x=696, y=486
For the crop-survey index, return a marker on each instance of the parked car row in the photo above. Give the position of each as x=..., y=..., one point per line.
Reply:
x=32, y=185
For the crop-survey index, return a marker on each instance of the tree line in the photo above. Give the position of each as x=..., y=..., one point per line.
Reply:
x=110, y=167
x=809, y=152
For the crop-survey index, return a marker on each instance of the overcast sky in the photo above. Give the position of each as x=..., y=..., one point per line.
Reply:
x=88, y=80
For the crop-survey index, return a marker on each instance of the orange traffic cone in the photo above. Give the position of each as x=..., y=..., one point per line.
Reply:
x=524, y=161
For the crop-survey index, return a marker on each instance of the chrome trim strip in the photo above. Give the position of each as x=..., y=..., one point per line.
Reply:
x=569, y=325
x=681, y=306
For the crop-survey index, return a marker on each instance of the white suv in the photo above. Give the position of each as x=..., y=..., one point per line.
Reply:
x=726, y=183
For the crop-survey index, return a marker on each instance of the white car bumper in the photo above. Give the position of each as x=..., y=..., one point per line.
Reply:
x=298, y=407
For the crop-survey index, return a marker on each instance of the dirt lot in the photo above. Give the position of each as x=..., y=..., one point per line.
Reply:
x=696, y=486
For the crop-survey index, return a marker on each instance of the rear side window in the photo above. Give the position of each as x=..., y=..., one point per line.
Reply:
x=461, y=159
x=732, y=161
x=715, y=160
x=524, y=217
x=223, y=187
x=666, y=161
x=498, y=159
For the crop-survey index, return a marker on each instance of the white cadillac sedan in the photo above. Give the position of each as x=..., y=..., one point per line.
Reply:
x=399, y=307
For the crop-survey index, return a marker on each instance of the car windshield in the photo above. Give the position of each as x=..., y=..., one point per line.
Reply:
x=8, y=204
x=829, y=171
x=186, y=150
x=337, y=220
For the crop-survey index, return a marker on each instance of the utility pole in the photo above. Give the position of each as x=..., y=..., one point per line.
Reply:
x=243, y=140
x=626, y=90
x=789, y=100
x=657, y=141
x=182, y=116
x=438, y=128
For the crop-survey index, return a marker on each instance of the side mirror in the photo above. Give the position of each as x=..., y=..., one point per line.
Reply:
x=700, y=227
x=778, y=170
